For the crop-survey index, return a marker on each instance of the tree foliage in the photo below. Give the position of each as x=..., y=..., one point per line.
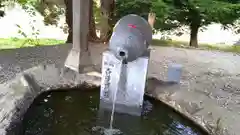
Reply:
x=202, y=12
x=139, y=7
x=170, y=14
x=50, y=10
x=195, y=14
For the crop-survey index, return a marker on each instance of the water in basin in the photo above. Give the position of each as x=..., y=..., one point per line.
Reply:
x=76, y=112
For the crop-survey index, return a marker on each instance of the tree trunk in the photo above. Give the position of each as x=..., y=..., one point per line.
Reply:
x=107, y=14
x=69, y=19
x=92, y=36
x=194, y=35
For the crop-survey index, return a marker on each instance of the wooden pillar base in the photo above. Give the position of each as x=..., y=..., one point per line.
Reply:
x=79, y=61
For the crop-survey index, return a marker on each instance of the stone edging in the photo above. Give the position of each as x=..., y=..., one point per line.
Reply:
x=19, y=93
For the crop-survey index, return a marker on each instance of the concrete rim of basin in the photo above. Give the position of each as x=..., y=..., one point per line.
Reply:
x=22, y=90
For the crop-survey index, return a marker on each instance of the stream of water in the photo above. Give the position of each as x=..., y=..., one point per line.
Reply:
x=111, y=130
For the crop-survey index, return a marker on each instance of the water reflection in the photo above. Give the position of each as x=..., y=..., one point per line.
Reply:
x=78, y=113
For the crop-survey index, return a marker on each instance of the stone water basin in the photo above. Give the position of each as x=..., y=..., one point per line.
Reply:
x=76, y=112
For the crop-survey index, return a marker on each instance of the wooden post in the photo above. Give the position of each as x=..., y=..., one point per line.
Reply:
x=79, y=55
x=151, y=19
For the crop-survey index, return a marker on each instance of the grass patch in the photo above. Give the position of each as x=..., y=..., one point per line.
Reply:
x=181, y=44
x=8, y=43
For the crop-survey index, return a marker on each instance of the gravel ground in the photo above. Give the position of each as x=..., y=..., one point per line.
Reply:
x=209, y=87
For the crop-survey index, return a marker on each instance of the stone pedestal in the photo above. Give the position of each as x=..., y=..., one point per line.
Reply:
x=128, y=80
